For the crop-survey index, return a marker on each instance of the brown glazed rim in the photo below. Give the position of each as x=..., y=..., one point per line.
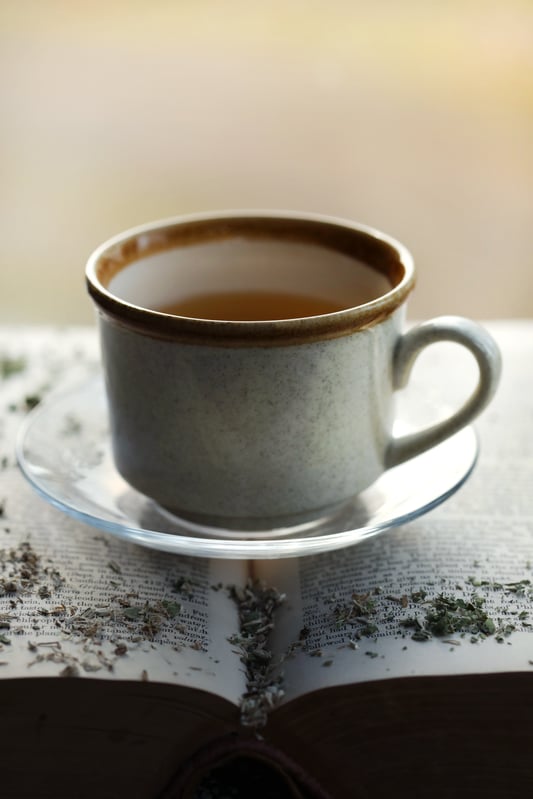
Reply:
x=376, y=249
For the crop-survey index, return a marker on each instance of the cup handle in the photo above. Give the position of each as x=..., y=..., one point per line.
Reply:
x=485, y=351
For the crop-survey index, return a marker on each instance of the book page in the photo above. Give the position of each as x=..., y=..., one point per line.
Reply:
x=450, y=593
x=75, y=601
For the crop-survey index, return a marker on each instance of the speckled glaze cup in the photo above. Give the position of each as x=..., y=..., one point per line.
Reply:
x=263, y=424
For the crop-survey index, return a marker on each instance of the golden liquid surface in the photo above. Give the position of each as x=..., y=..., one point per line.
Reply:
x=245, y=306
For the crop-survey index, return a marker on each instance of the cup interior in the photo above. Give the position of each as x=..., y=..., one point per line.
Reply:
x=160, y=264
x=248, y=265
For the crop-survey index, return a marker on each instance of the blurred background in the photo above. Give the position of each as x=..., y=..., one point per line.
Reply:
x=414, y=116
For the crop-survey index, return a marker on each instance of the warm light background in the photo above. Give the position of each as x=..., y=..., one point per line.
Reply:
x=415, y=116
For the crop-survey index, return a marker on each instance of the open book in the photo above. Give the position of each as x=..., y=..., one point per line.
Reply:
x=402, y=666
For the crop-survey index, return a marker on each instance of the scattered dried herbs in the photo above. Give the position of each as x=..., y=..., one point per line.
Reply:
x=23, y=573
x=432, y=616
x=446, y=615
x=11, y=366
x=357, y=613
x=185, y=586
x=257, y=605
x=31, y=401
x=21, y=570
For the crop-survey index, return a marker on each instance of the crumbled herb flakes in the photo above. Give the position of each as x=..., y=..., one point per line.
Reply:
x=90, y=659
x=479, y=609
x=185, y=586
x=445, y=615
x=357, y=611
x=152, y=616
x=11, y=366
x=120, y=619
x=257, y=605
x=146, y=620
x=31, y=401
x=21, y=570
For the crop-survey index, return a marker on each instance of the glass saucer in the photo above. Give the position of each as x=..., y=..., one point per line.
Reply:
x=63, y=449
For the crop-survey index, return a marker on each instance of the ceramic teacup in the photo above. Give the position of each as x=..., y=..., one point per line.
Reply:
x=262, y=423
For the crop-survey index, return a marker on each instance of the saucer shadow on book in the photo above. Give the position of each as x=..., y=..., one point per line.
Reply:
x=63, y=449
